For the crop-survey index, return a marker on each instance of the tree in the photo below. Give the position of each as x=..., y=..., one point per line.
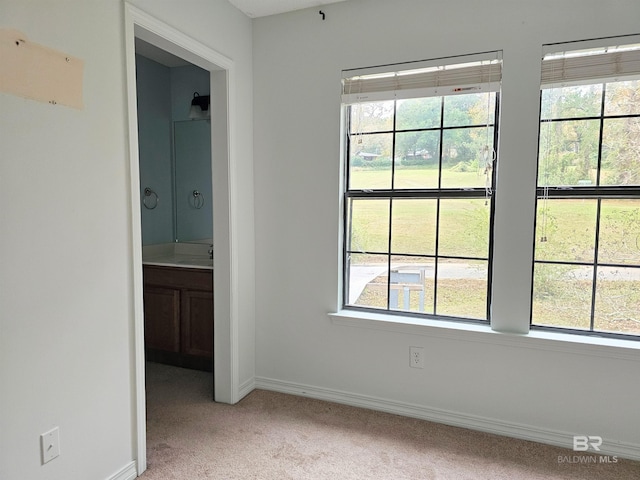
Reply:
x=569, y=144
x=621, y=136
x=459, y=144
x=569, y=147
x=418, y=113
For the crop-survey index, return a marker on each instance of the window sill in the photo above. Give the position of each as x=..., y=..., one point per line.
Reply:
x=470, y=332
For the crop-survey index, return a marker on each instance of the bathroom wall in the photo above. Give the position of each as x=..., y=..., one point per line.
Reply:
x=193, y=154
x=164, y=97
x=154, y=141
x=184, y=82
x=193, y=190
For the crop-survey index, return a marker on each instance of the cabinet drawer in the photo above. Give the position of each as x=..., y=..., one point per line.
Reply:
x=180, y=278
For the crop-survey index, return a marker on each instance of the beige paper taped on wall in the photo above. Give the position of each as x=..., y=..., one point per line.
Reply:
x=39, y=73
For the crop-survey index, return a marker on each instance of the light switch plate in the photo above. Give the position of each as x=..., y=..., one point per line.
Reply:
x=50, y=445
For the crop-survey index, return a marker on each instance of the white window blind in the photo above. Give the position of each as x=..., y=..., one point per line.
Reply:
x=578, y=67
x=451, y=76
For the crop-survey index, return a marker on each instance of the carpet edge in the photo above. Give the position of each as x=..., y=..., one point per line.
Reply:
x=484, y=424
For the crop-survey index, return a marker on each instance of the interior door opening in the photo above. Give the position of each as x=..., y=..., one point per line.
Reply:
x=174, y=146
x=142, y=27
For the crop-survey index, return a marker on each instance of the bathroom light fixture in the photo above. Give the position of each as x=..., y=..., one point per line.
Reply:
x=199, y=106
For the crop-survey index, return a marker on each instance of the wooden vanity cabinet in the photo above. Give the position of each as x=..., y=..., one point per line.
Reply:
x=178, y=316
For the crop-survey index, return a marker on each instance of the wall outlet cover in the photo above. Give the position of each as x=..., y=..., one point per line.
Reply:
x=416, y=357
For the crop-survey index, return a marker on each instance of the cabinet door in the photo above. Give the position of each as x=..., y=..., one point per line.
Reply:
x=197, y=323
x=162, y=318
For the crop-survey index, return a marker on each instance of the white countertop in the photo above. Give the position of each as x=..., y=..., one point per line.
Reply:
x=182, y=255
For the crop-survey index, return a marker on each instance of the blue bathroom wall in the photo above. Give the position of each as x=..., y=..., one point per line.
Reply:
x=193, y=174
x=154, y=141
x=185, y=81
x=192, y=149
x=164, y=129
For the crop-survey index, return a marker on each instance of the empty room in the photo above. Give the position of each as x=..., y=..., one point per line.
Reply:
x=410, y=247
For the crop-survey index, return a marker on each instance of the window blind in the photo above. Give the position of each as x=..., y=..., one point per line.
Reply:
x=422, y=79
x=579, y=67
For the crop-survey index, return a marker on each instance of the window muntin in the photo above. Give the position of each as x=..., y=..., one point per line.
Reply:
x=586, y=273
x=418, y=204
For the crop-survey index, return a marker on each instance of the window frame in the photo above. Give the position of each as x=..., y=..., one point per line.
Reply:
x=423, y=193
x=596, y=192
x=510, y=297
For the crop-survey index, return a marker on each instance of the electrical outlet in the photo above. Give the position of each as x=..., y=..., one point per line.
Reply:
x=416, y=357
x=50, y=445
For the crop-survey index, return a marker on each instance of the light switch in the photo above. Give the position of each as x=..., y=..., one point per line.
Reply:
x=50, y=445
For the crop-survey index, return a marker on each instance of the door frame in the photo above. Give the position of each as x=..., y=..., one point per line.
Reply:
x=225, y=239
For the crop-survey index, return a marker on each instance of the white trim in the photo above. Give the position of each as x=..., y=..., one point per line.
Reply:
x=188, y=48
x=140, y=24
x=551, y=48
x=234, y=238
x=136, y=244
x=422, y=64
x=246, y=388
x=128, y=472
x=470, y=332
x=447, y=417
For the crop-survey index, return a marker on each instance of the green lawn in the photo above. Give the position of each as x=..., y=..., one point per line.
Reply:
x=362, y=178
x=464, y=226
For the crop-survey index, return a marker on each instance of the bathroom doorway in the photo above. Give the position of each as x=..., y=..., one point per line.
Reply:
x=174, y=145
x=142, y=27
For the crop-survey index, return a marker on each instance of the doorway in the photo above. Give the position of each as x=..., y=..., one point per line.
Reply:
x=174, y=143
x=140, y=25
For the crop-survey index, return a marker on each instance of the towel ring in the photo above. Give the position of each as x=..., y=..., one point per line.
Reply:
x=198, y=200
x=150, y=200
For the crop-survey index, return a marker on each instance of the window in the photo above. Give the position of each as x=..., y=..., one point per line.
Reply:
x=420, y=148
x=586, y=272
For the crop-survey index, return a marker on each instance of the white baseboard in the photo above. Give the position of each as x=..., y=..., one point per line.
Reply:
x=128, y=472
x=489, y=425
x=246, y=388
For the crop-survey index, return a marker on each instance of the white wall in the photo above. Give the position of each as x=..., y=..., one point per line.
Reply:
x=533, y=388
x=65, y=344
x=66, y=314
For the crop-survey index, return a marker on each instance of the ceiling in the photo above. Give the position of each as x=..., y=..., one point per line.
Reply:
x=251, y=8
x=158, y=55
x=262, y=8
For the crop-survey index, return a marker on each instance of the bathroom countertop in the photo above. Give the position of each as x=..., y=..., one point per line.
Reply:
x=181, y=255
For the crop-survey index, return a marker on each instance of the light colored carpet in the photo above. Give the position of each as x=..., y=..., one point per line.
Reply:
x=271, y=435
